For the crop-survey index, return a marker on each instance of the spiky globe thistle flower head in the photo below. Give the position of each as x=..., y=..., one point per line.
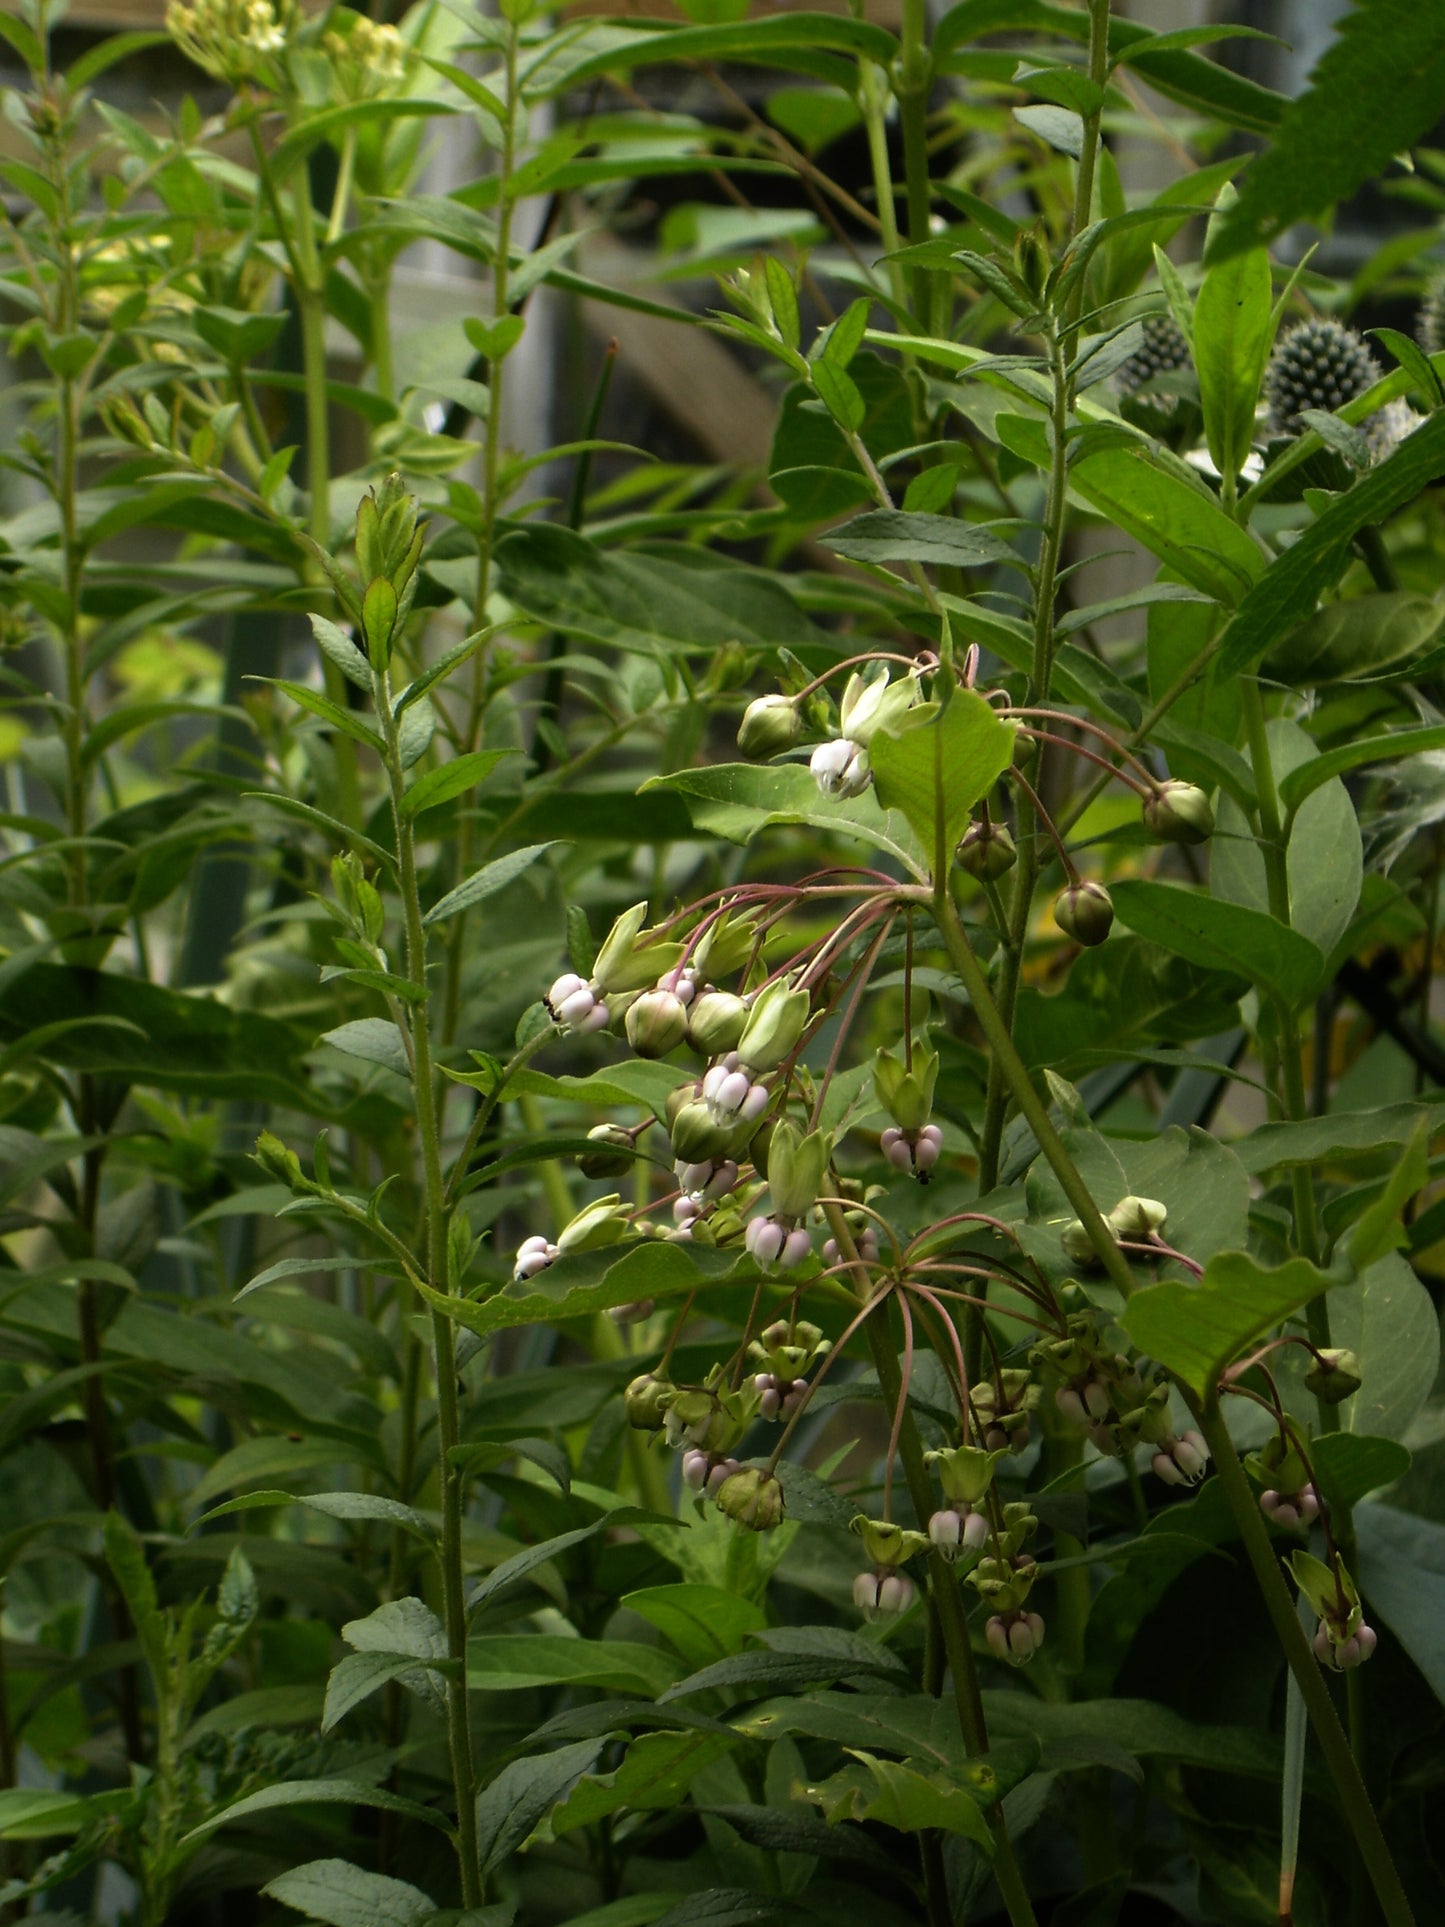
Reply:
x=1162, y=348
x=1318, y=364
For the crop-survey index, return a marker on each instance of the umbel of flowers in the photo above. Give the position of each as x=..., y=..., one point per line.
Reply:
x=733, y=992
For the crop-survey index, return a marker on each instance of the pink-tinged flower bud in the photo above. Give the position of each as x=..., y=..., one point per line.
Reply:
x=796, y=1247
x=1071, y=1405
x=575, y=1005
x=945, y=1529
x=634, y=1313
x=877, y=1593
x=719, y=1474
x=1181, y=1461
x=1085, y=912
x=1281, y=1510
x=656, y=1023
x=533, y=1255
x=996, y=1633
x=840, y=768
x=695, y=1466
x=1097, y=1400
x=725, y=1093
x=865, y=1243
x=685, y=1209
x=1344, y=1655
x=793, y=1396
x=770, y=1396
x=926, y=1149
x=1026, y=1635
x=764, y=1240
x=895, y=1148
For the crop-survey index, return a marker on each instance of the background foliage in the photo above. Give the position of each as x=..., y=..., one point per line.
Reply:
x=339, y=1579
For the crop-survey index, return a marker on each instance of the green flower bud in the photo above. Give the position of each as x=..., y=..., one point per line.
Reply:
x=1079, y=1246
x=1002, y=1584
x=695, y=1138
x=775, y=1025
x=613, y=1156
x=1279, y=1464
x=1084, y=911
x=1335, y=1376
x=907, y=1096
x=887, y=1544
x=1178, y=812
x=595, y=1226
x=753, y=1497
x=646, y=1400
x=770, y=725
x=277, y=1161
x=796, y=1165
x=965, y=1472
x=1137, y=1218
x=656, y=1023
x=987, y=851
x=715, y=1022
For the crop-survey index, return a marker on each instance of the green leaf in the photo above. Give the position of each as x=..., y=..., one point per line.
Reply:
x=375, y=1040
x=737, y=800
x=935, y=774
x=355, y=1678
x=1226, y=936
x=1354, y=638
x=1401, y=1573
x=1160, y=503
x=668, y=600
x=440, y=785
x=1341, y=1136
x=341, y=650
x=1197, y=1330
x=840, y=395
x=36, y=1813
x=655, y=1774
x=1371, y=749
x=895, y=535
x=328, y=711
x=1381, y=1228
x=509, y=1809
x=1055, y=126
x=580, y=1285
x=704, y=1623
x=899, y=1796
x=1233, y=328
x=1290, y=587
x=516, y=1662
x=319, y=1792
x=1374, y=92
x=342, y=1895
x=1349, y=1466
x=1390, y=1323
x=487, y=881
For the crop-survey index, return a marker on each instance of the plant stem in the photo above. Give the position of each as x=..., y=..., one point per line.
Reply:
x=438, y=1270
x=1021, y=1089
x=1353, y=1797
x=943, y=1589
x=912, y=80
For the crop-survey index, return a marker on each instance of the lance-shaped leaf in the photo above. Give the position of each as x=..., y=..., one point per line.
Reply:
x=1197, y=1330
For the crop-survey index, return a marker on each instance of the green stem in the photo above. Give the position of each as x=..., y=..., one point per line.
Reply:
x=1021, y=1089
x=871, y=96
x=912, y=81
x=1353, y=1797
x=1088, y=156
x=944, y=1590
x=428, y=1119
